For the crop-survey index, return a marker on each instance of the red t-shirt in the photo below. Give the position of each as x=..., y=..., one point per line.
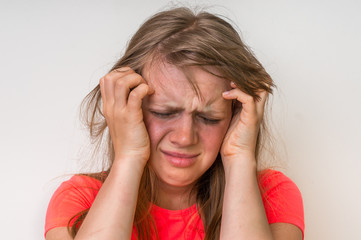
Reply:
x=281, y=198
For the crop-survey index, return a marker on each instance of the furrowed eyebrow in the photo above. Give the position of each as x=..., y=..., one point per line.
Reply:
x=165, y=107
x=177, y=110
x=214, y=113
x=161, y=105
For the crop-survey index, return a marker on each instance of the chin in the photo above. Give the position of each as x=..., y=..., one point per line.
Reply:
x=174, y=178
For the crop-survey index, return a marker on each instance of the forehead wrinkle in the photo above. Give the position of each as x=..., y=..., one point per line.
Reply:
x=168, y=86
x=202, y=109
x=160, y=65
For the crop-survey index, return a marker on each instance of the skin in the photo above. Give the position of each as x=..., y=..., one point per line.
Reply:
x=155, y=120
x=181, y=122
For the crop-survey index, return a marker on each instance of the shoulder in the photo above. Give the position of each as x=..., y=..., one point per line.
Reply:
x=276, y=181
x=78, y=185
x=75, y=189
x=71, y=197
x=82, y=181
x=282, y=198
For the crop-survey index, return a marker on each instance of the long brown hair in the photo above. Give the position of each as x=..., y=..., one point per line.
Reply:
x=182, y=38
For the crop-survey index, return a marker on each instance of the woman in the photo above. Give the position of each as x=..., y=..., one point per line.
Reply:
x=182, y=115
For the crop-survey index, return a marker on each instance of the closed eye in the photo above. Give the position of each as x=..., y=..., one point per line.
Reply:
x=210, y=121
x=204, y=119
x=162, y=114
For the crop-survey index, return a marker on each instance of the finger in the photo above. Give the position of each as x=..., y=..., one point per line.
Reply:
x=123, y=87
x=109, y=82
x=248, y=113
x=137, y=94
x=106, y=98
x=107, y=90
x=120, y=71
x=236, y=94
x=260, y=104
x=102, y=93
x=110, y=79
x=107, y=86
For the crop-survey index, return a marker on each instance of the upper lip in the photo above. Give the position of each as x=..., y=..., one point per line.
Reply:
x=180, y=155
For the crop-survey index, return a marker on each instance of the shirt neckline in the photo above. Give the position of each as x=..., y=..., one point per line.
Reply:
x=182, y=212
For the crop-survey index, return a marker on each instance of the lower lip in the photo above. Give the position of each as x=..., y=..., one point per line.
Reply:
x=180, y=162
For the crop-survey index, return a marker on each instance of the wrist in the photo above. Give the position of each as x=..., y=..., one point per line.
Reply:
x=128, y=166
x=246, y=158
x=241, y=163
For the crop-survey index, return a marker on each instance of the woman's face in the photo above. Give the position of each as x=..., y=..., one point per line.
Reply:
x=186, y=129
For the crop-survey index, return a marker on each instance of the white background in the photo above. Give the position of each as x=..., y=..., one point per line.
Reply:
x=53, y=52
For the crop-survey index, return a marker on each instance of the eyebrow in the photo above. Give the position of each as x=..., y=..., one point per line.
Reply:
x=180, y=109
x=159, y=101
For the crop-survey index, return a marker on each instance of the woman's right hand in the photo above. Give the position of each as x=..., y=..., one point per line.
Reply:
x=122, y=93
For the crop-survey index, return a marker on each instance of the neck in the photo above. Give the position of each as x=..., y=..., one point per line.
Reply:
x=174, y=198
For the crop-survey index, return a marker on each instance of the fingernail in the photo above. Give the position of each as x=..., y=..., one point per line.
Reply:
x=225, y=93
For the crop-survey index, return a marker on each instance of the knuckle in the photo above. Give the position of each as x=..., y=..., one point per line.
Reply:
x=127, y=68
x=139, y=91
x=135, y=77
x=249, y=98
x=106, y=112
x=140, y=87
x=119, y=83
x=134, y=94
x=123, y=69
x=107, y=78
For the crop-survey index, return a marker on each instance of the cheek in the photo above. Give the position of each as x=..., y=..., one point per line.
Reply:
x=212, y=136
x=156, y=130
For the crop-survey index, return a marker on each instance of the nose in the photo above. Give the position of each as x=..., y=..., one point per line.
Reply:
x=184, y=132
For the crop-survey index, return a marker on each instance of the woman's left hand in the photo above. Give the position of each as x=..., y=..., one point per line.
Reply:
x=241, y=137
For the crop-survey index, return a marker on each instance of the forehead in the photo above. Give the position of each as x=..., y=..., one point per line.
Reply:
x=167, y=79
